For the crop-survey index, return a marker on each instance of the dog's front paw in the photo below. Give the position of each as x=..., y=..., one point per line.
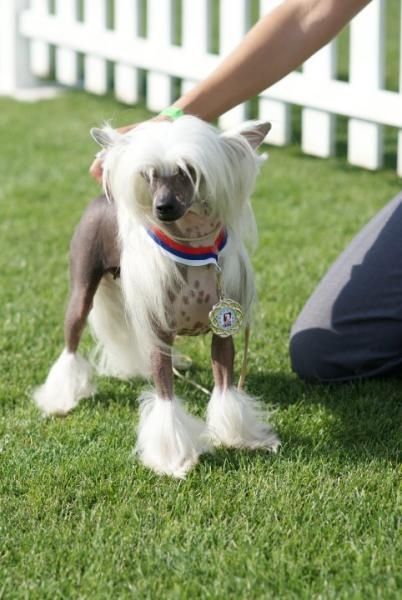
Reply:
x=169, y=440
x=68, y=381
x=237, y=420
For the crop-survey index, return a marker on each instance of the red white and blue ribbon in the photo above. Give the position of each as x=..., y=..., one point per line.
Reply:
x=188, y=255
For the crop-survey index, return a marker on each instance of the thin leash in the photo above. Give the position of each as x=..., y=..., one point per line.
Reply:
x=244, y=363
x=191, y=382
x=243, y=372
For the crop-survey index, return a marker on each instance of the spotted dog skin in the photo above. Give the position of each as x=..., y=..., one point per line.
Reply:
x=95, y=253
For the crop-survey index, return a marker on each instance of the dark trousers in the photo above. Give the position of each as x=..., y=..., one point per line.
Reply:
x=351, y=327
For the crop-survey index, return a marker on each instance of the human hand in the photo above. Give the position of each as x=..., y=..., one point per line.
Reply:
x=96, y=168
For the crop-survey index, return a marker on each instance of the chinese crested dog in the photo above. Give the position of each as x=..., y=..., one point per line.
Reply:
x=156, y=257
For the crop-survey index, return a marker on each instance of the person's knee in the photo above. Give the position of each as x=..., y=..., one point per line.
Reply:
x=301, y=361
x=309, y=350
x=324, y=356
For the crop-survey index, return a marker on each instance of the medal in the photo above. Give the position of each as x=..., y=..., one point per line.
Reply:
x=226, y=316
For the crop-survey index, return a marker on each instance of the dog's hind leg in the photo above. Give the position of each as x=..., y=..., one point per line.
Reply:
x=234, y=418
x=169, y=440
x=69, y=379
x=94, y=251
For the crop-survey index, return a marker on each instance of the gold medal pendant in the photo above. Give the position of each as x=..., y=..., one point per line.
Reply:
x=226, y=316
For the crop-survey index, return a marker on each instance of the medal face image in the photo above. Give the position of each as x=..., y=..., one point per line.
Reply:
x=226, y=317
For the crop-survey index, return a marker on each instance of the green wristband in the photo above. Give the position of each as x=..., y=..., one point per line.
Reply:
x=172, y=112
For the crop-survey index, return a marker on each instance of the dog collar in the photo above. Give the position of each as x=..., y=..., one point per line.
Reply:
x=188, y=255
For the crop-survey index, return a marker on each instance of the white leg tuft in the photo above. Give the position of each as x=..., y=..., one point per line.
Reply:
x=68, y=381
x=237, y=420
x=169, y=440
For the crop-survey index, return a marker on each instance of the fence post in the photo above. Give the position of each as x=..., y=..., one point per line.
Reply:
x=15, y=73
x=95, y=69
x=275, y=111
x=66, y=59
x=365, y=140
x=39, y=50
x=233, y=25
x=160, y=29
x=318, y=127
x=196, y=32
x=127, y=24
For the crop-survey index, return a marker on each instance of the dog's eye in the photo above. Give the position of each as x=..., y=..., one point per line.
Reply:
x=146, y=175
x=190, y=172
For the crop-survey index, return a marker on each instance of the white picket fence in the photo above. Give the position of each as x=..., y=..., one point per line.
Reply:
x=98, y=33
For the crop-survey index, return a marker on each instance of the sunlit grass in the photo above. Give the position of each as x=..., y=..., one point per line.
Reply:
x=79, y=518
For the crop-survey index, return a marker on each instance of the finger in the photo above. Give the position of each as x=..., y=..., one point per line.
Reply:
x=96, y=170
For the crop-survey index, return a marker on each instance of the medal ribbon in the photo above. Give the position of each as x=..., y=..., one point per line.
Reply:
x=187, y=255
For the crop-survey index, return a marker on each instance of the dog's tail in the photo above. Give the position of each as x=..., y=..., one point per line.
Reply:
x=118, y=352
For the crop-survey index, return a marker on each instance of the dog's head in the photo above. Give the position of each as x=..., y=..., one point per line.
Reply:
x=165, y=170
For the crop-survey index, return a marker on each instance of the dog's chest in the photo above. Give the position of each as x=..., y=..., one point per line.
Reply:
x=192, y=304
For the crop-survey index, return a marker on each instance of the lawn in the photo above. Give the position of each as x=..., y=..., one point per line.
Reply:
x=79, y=518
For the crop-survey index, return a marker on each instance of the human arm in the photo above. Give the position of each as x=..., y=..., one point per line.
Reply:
x=279, y=42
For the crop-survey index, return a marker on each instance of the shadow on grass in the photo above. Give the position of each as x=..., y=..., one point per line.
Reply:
x=363, y=419
x=112, y=391
x=358, y=421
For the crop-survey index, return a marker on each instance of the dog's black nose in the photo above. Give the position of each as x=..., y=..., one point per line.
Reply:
x=167, y=208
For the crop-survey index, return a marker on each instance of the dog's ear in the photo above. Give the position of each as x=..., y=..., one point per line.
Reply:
x=105, y=137
x=254, y=131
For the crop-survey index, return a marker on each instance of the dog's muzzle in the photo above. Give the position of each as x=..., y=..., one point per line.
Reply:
x=168, y=208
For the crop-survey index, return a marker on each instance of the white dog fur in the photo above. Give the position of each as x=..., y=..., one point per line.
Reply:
x=68, y=381
x=237, y=420
x=169, y=440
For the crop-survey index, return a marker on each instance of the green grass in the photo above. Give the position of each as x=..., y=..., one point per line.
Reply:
x=78, y=517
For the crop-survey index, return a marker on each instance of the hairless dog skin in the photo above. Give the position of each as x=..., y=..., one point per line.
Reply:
x=188, y=184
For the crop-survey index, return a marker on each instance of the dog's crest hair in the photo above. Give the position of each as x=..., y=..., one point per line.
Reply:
x=224, y=166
